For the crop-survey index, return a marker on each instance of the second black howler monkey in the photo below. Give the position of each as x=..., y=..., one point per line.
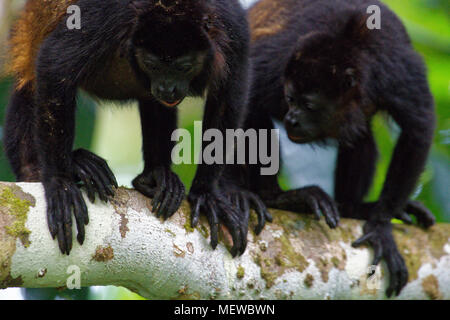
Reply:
x=154, y=51
x=321, y=68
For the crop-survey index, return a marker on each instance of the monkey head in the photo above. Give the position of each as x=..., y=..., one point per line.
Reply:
x=324, y=86
x=171, y=47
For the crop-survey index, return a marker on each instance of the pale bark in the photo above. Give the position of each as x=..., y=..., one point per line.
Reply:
x=126, y=245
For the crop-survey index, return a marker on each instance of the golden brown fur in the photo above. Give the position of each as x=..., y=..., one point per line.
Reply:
x=37, y=20
x=268, y=17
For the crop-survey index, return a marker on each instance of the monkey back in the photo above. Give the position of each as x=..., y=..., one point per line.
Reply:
x=37, y=20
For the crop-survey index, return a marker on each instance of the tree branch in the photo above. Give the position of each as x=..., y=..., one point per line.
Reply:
x=126, y=245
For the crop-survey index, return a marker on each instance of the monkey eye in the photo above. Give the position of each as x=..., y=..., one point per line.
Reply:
x=187, y=67
x=310, y=106
x=289, y=99
x=207, y=23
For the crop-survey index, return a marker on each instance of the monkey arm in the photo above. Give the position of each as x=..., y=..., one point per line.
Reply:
x=415, y=116
x=225, y=109
x=157, y=181
x=67, y=58
x=222, y=111
x=355, y=169
x=407, y=164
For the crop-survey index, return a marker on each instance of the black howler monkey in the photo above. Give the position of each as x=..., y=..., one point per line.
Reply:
x=154, y=51
x=319, y=66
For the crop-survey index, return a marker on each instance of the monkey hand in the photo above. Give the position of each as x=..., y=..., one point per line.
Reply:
x=308, y=199
x=244, y=200
x=94, y=174
x=378, y=234
x=218, y=209
x=164, y=187
x=64, y=198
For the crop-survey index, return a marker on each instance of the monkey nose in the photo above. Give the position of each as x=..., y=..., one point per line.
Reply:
x=291, y=121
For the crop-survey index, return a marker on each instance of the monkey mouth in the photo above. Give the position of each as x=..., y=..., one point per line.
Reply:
x=171, y=104
x=297, y=139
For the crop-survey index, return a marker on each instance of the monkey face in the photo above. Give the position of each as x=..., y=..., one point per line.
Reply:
x=324, y=83
x=310, y=115
x=320, y=109
x=170, y=78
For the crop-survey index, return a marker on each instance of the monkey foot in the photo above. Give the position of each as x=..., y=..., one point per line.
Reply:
x=309, y=199
x=64, y=197
x=220, y=210
x=164, y=187
x=379, y=235
x=94, y=174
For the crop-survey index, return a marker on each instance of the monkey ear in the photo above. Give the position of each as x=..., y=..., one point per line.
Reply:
x=356, y=29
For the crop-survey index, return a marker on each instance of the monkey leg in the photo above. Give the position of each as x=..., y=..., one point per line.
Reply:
x=19, y=143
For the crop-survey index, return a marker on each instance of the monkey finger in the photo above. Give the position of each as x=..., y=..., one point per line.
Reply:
x=403, y=279
x=377, y=255
x=104, y=165
x=101, y=176
x=232, y=221
x=161, y=187
x=156, y=202
x=67, y=219
x=244, y=226
x=269, y=216
x=58, y=214
x=406, y=218
x=314, y=206
x=214, y=225
x=238, y=201
x=178, y=199
x=425, y=217
x=107, y=185
x=165, y=204
x=167, y=197
x=328, y=213
x=335, y=210
x=61, y=238
x=51, y=221
x=80, y=214
x=195, y=212
x=97, y=182
x=261, y=211
x=88, y=184
x=365, y=238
